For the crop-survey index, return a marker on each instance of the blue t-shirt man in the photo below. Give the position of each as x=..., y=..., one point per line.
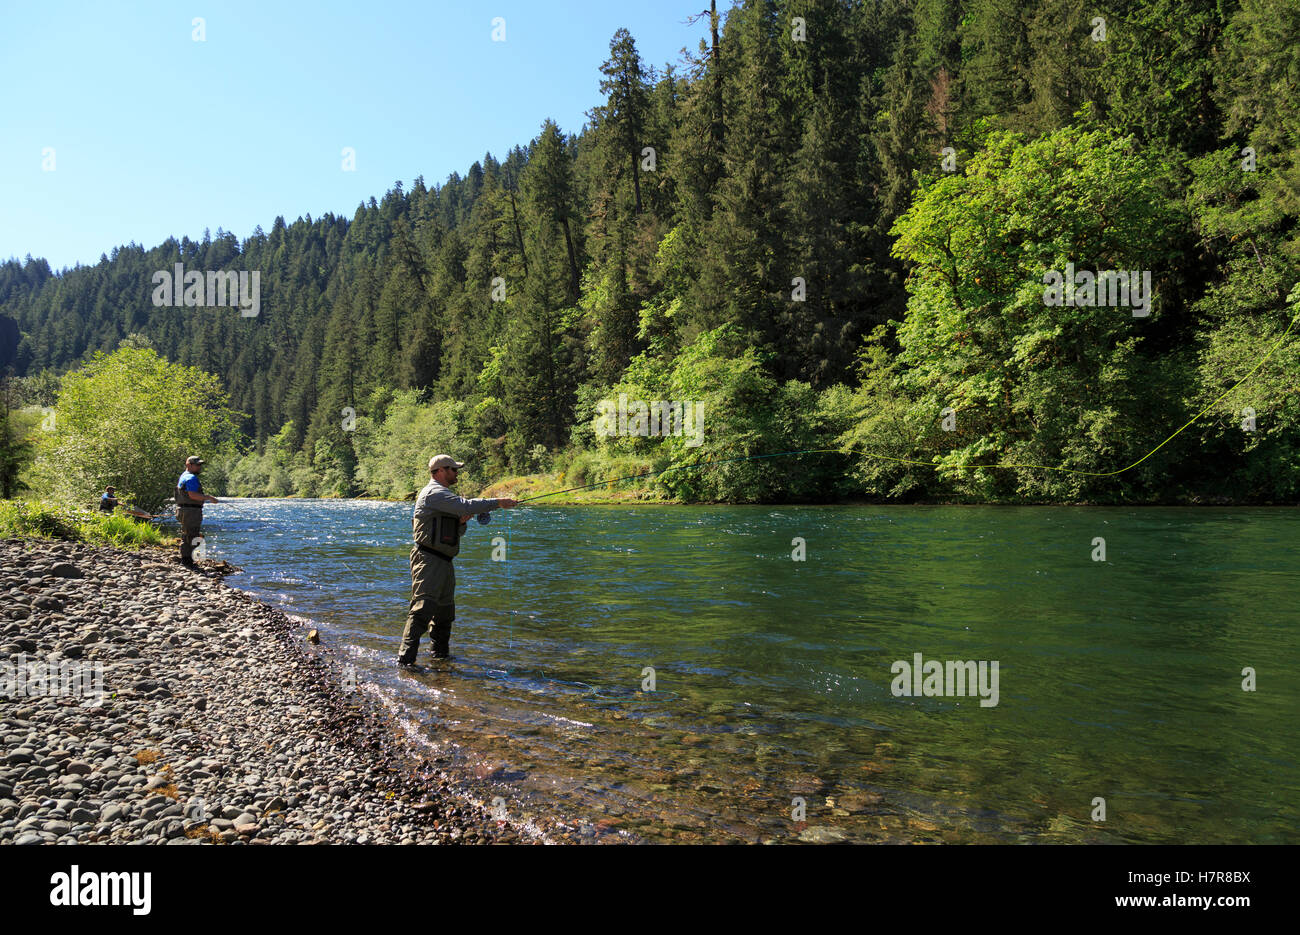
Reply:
x=191, y=483
x=189, y=501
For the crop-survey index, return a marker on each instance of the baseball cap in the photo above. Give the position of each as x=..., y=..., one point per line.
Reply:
x=440, y=461
x=193, y=458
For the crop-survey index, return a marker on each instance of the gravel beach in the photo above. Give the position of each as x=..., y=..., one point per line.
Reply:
x=145, y=703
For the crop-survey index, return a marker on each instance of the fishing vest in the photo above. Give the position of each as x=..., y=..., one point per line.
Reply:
x=435, y=531
x=182, y=499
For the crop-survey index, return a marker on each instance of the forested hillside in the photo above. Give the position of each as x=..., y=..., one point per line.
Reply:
x=778, y=229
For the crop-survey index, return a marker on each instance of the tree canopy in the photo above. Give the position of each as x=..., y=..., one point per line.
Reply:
x=851, y=205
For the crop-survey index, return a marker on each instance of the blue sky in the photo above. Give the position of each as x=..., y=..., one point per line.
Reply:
x=155, y=134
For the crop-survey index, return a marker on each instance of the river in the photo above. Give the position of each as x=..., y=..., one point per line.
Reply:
x=674, y=673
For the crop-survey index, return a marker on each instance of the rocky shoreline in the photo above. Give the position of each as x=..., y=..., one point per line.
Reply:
x=144, y=703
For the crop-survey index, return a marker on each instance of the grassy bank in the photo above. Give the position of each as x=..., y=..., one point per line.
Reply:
x=38, y=519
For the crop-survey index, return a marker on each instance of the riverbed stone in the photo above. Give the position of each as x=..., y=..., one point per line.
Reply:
x=199, y=678
x=822, y=834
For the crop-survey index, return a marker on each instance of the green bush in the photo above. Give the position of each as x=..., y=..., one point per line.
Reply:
x=25, y=519
x=394, y=457
x=21, y=519
x=119, y=529
x=248, y=476
x=130, y=419
x=1263, y=461
x=748, y=420
x=1031, y=383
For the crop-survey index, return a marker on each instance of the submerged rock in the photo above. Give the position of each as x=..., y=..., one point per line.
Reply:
x=822, y=834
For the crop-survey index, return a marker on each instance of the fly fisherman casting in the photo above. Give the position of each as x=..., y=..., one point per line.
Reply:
x=439, y=522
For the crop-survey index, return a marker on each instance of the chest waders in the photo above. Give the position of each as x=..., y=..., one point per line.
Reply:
x=433, y=585
x=188, y=515
x=191, y=522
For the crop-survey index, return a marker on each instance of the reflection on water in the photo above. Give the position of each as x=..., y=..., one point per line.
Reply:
x=771, y=677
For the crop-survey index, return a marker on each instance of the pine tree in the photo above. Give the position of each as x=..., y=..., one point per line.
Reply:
x=905, y=140
x=550, y=191
x=997, y=51
x=1066, y=70
x=14, y=450
x=626, y=109
x=745, y=269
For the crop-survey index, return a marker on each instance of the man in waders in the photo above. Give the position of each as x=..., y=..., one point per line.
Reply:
x=189, y=507
x=439, y=522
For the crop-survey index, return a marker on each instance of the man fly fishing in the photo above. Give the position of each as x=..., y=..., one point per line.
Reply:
x=189, y=507
x=439, y=522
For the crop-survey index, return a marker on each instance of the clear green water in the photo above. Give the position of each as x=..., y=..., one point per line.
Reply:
x=1120, y=680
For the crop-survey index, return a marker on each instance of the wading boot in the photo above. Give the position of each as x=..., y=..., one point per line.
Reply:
x=442, y=640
